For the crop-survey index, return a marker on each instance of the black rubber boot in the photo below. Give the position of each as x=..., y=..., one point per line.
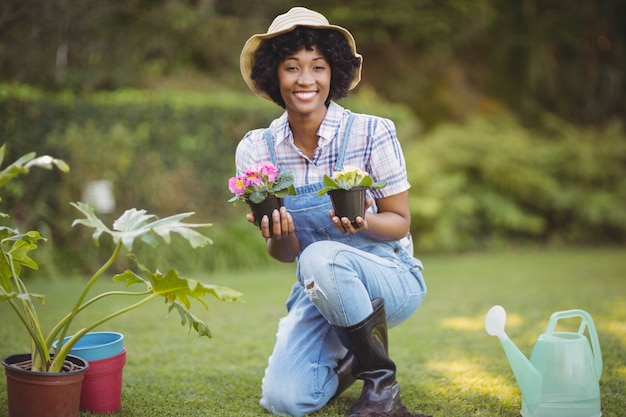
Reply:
x=367, y=340
x=344, y=370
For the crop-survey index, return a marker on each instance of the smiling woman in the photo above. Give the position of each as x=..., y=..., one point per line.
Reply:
x=356, y=274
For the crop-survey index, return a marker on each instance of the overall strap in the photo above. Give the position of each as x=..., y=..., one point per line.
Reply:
x=269, y=140
x=344, y=143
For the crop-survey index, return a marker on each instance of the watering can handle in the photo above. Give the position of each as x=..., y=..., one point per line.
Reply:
x=587, y=322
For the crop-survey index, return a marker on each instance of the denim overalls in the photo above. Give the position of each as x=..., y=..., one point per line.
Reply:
x=338, y=275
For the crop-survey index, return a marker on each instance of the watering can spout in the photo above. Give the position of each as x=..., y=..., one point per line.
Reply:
x=527, y=376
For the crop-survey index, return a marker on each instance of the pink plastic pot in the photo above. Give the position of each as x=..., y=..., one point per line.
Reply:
x=102, y=385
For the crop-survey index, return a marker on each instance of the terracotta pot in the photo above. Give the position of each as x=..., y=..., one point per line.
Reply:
x=43, y=394
x=349, y=203
x=265, y=207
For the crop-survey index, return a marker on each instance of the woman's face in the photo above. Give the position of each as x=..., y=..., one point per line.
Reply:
x=304, y=80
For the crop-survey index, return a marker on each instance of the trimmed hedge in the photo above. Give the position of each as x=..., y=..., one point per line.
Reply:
x=165, y=152
x=486, y=183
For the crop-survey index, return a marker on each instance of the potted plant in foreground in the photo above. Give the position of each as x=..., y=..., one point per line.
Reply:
x=263, y=187
x=133, y=225
x=347, y=190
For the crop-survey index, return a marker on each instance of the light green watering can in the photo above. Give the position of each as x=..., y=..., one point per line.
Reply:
x=561, y=379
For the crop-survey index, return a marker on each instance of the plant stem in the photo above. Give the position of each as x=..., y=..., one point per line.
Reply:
x=77, y=307
x=28, y=315
x=34, y=331
x=53, y=333
x=60, y=356
x=98, y=274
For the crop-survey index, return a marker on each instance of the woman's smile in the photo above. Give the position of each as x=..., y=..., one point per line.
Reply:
x=305, y=95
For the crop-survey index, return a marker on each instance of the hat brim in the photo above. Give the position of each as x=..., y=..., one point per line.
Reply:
x=246, y=60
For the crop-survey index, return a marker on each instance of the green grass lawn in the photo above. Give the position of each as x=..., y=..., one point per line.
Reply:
x=447, y=364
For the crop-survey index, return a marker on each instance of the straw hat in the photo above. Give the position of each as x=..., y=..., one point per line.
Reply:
x=297, y=16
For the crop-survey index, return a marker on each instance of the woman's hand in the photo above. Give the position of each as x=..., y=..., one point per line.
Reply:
x=282, y=224
x=391, y=221
x=344, y=225
x=282, y=243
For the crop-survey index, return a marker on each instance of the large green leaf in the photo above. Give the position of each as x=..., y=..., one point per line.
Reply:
x=135, y=224
x=23, y=165
x=19, y=253
x=176, y=288
x=132, y=278
x=91, y=220
x=177, y=292
x=15, y=254
x=191, y=320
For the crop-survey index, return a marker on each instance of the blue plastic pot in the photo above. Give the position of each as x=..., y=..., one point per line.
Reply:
x=97, y=345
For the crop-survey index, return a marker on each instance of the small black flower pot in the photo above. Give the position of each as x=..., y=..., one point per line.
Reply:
x=349, y=203
x=265, y=208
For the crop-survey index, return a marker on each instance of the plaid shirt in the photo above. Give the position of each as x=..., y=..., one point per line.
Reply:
x=373, y=147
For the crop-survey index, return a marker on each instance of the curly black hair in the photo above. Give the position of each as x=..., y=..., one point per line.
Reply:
x=332, y=44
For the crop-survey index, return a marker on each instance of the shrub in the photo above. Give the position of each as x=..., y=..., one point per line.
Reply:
x=492, y=182
x=484, y=183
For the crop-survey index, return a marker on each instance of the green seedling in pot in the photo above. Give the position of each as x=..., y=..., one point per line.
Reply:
x=349, y=177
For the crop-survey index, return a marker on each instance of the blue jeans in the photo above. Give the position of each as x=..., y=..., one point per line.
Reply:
x=336, y=283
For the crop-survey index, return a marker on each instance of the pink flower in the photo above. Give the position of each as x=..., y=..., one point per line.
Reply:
x=264, y=171
x=237, y=185
x=260, y=181
x=268, y=170
x=253, y=178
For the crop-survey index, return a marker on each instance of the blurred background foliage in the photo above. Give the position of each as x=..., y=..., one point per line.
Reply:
x=510, y=113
